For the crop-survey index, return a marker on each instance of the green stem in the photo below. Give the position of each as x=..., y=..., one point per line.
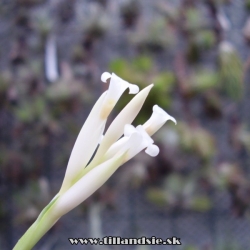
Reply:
x=41, y=226
x=35, y=233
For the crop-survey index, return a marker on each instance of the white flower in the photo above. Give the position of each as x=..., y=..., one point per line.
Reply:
x=157, y=120
x=81, y=181
x=146, y=142
x=92, y=130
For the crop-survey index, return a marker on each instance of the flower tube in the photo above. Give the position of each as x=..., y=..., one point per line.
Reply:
x=116, y=89
x=158, y=118
x=92, y=130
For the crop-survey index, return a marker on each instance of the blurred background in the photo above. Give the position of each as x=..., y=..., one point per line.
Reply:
x=52, y=54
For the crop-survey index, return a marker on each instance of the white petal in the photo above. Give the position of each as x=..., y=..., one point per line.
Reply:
x=129, y=129
x=100, y=140
x=146, y=142
x=117, y=146
x=86, y=143
x=93, y=128
x=152, y=150
x=116, y=88
x=129, y=145
x=157, y=120
x=134, y=147
x=126, y=116
x=133, y=89
x=125, y=144
x=105, y=76
x=87, y=185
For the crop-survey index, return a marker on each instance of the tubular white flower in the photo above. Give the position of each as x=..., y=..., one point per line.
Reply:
x=158, y=118
x=116, y=88
x=81, y=181
x=146, y=142
x=126, y=116
x=91, y=133
x=116, y=147
x=133, y=89
x=105, y=76
x=85, y=143
x=94, y=179
x=152, y=150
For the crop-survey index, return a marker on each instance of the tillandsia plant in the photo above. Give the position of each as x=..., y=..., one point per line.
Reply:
x=82, y=177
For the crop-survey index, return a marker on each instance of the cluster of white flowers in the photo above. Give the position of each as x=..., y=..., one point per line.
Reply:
x=81, y=180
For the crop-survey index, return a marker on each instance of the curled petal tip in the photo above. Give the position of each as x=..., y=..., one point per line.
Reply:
x=157, y=120
x=163, y=113
x=152, y=150
x=173, y=120
x=105, y=76
x=137, y=139
x=133, y=89
x=116, y=88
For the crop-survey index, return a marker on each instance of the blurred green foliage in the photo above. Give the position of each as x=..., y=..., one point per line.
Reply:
x=195, y=139
x=202, y=80
x=198, y=42
x=180, y=48
x=194, y=20
x=152, y=37
x=180, y=192
x=247, y=4
x=231, y=71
